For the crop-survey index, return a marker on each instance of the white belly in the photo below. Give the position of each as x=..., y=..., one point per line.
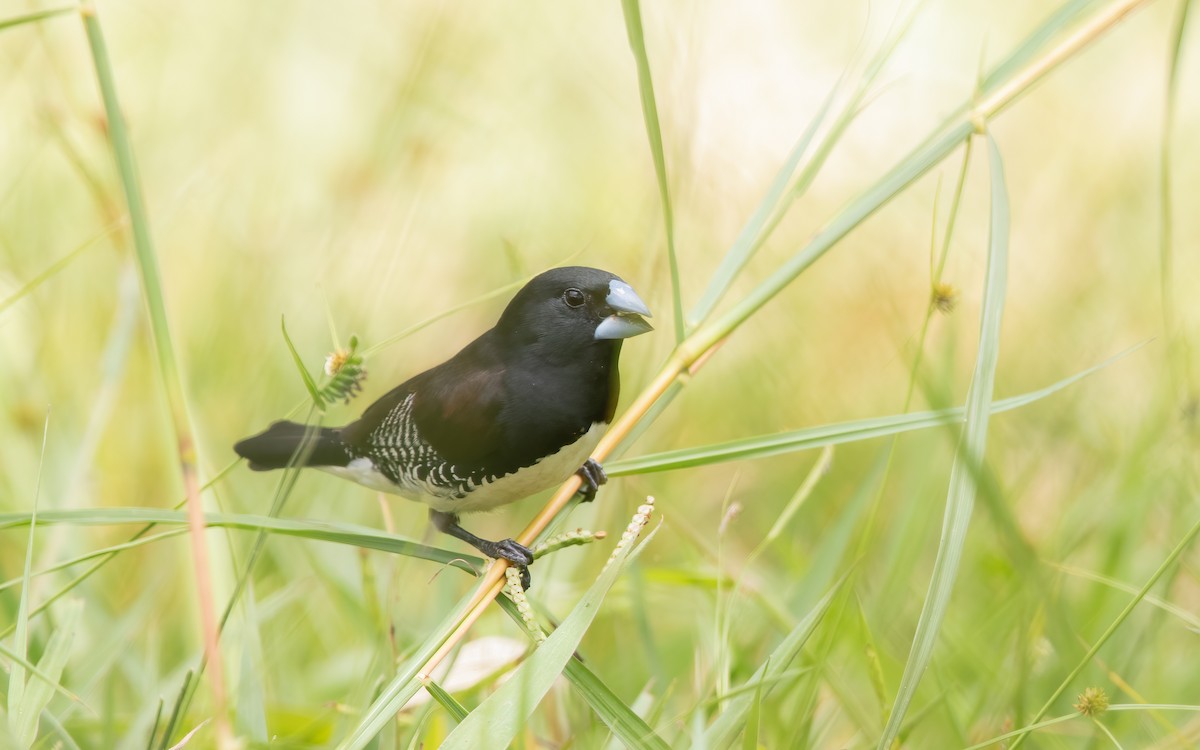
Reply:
x=550, y=471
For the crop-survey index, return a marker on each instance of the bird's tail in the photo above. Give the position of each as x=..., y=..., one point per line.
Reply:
x=275, y=447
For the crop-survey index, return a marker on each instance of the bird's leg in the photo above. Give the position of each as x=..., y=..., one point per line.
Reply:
x=592, y=474
x=505, y=549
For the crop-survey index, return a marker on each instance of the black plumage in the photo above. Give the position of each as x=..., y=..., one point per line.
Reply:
x=518, y=410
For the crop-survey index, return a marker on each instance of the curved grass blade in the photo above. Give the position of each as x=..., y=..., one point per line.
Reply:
x=722, y=732
x=309, y=383
x=36, y=16
x=833, y=434
x=960, y=498
x=457, y=711
x=16, y=676
x=1191, y=621
x=620, y=718
x=250, y=716
x=637, y=44
x=956, y=129
x=38, y=693
x=51, y=270
x=175, y=711
x=748, y=242
x=496, y=721
x=65, y=740
x=168, y=365
x=37, y=672
x=1024, y=731
x=750, y=736
x=1179, y=549
x=1055, y=23
x=321, y=531
x=94, y=554
x=1166, y=228
x=375, y=348
x=406, y=682
x=77, y=580
x=754, y=232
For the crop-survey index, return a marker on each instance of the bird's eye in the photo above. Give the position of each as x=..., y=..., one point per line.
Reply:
x=574, y=297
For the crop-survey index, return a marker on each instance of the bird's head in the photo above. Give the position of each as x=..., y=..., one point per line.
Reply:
x=574, y=307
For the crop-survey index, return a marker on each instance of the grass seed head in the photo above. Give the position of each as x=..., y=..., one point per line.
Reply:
x=514, y=591
x=943, y=297
x=345, y=370
x=1092, y=702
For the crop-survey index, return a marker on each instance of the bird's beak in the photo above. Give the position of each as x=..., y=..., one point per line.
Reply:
x=627, y=319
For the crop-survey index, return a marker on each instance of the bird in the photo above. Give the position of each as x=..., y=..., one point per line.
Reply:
x=516, y=411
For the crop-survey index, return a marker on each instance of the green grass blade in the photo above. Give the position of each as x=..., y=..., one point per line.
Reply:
x=405, y=333
x=724, y=730
x=1023, y=731
x=917, y=163
x=154, y=727
x=92, y=569
x=417, y=742
x=1191, y=621
x=64, y=739
x=287, y=482
x=250, y=718
x=322, y=531
x=1174, y=555
x=994, y=741
x=36, y=16
x=1065, y=15
x=16, y=676
x=620, y=718
x=1165, y=216
x=770, y=207
x=956, y=129
x=831, y=434
x=37, y=672
x=457, y=711
x=834, y=546
x=51, y=270
x=637, y=44
x=168, y=365
x=960, y=498
x=750, y=735
x=1154, y=707
x=139, y=219
x=753, y=233
x=176, y=710
x=818, y=471
x=39, y=692
x=496, y=721
x=94, y=554
x=405, y=684
x=309, y=383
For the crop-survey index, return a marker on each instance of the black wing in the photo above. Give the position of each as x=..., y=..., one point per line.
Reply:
x=448, y=415
x=480, y=414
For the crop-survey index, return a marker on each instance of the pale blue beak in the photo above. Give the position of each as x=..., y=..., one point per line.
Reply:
x=628, y=310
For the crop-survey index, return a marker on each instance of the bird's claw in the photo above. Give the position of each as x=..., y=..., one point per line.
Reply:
x=517, y=554
x=513, y=551
x=592, y=474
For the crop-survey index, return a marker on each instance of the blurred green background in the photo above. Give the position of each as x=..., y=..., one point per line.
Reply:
x=378, y=163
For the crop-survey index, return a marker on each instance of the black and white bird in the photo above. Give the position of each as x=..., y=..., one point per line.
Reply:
x=517, y=411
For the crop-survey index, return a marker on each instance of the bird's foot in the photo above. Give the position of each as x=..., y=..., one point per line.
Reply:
x=517, y=554
x=592, y=474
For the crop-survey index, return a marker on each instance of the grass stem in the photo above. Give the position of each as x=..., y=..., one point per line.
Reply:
x=167, y=364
